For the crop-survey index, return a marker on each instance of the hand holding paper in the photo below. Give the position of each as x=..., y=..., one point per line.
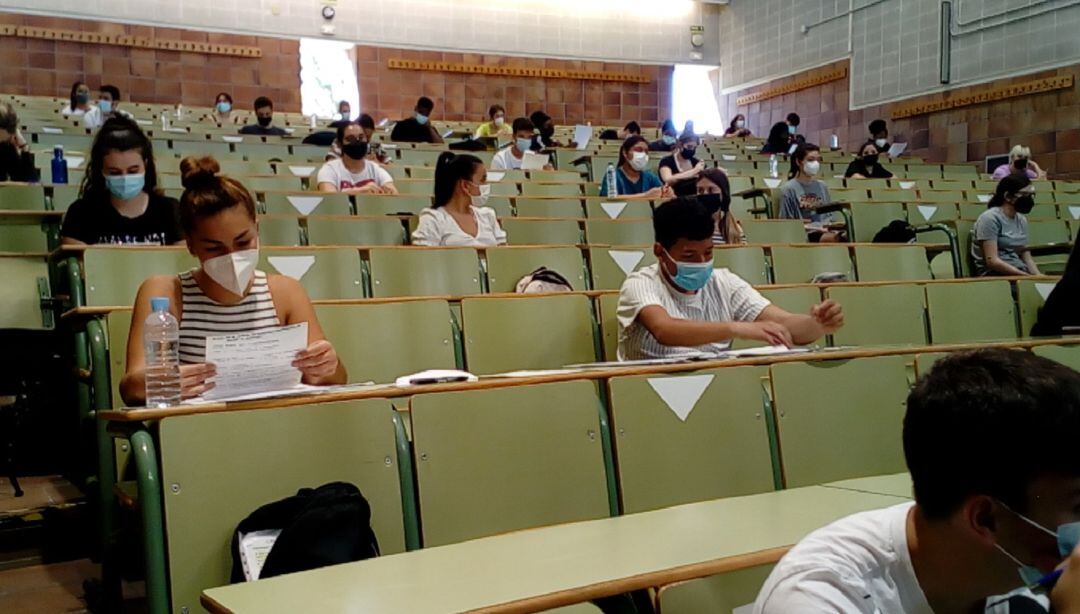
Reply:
x=255, y=362
x=317, y=362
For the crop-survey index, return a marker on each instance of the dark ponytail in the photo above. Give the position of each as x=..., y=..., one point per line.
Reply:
x=450, y=169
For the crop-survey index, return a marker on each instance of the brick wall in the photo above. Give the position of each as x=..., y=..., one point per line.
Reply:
x=392, y=93
x=1048, y=123
x=48, y=68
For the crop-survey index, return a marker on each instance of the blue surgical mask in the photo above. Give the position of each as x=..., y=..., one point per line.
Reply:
x=125, y=187
x=421, y=118
x=105, y=106
x=791, y=129
x=692, y=276
x=668, y=139
x=224, y=106
x=523, y=144
x=1067, y=535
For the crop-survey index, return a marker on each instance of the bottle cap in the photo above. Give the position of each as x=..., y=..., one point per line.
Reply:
x=159, y=303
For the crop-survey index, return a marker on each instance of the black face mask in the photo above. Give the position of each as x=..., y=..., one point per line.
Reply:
x=547, y=131
x=870, y=159
x=265, y=121
x=688, y=152
x=1024, y=204
x=713, y=202
x=1020, y=164
x=355, y=149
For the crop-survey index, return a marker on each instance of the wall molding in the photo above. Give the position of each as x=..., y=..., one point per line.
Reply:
x=1003, y=92
x=794, y=86
x=126, y=40
x=516, y=71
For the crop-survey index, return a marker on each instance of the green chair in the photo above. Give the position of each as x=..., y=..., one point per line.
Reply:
x=941, y=196
x=924, y=361
x=344, y=230
x=22, y=198
x=199, y=148
x=832, y=425
x=113, y=274
x=850, y=195
x=619, y=232
x=967, y=311
x=602, y=209
x=675, y=435
x=419, y=157
x=411, y=172
x=326, y=273
x=502, y=205
x=880, y=315
x=557, y=190
x=373, y=204
x=505, y=188
x=725, y=592
x=921, y=171
x=256, y=151
x=275, y=183
x=279, y=230
x=548, y=207
x=959, y=171
x=379, y=342
x=919, y=214
x=424, y=272
x=1048, y=232
x=521, y=231
x=507, y=265
x=892, y=263
x=63, y=196
x=746, y=261
x=415, y=187
x=1030, y=296
x=1068, y=355
x=528, y=332
x=555, y=176
x=799, y=264
x=607, y=306
x=772, y=232
x=869, y=218
x=270, y=454
x=505, y=459
x=610, y=265
x=26, y=283
x=244, y=167
x=307, y=203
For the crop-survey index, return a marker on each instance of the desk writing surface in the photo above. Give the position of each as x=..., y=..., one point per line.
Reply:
x=559, y=565
x=895, y=485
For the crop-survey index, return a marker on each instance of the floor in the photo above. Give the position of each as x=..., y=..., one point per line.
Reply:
x=39, y=492
x=46, y=588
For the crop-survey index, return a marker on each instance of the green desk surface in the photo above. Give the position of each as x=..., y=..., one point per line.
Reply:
x=895, y=485
x=560, y=565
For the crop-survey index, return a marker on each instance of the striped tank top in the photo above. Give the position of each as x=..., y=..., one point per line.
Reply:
x=203, y=317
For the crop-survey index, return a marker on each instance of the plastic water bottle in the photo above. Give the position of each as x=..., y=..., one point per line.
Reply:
x=161, y=341
x=774, y=169
x=59, y=165
x=612, y=182
x=164, y=120
x=314, y=121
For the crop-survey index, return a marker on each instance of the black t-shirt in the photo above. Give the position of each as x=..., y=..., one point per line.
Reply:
x=669, y=162
x=268, y=131
x=411, y=131
x=859, y=167
x=97, y=221
x=15, y=165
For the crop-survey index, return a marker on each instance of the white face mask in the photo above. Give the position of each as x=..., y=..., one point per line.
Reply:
x=499, y=121
x=233, y=271
x=812, y=167
x=740, y=124
x=639, y=161
x=881, y=143
x=481, y=200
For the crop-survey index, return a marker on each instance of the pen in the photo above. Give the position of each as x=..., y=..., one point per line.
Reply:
x=1048, y=581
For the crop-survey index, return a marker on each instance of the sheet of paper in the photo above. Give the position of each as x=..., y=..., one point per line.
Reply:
x=728, y=157
x=582, y=135
x=145, y=122
x=75, y=161
x=907, y=185
x=896, y=149
x=254, y=548
x=176, y=130
x=534, y=161
x=298, y=390
x=301, y=171
x=691, y=357
x=250, y=363
x=51, y=130
x=769, y=350
x=290, y=130
x=231, y=138
x=528, y=373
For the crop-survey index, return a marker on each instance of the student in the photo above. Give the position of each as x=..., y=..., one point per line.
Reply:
x=633, y=180
x=682, y=305
x=418, y=128
x=16, y=160
x=459, y=217
x=375, y=150
x=264, y=115
x=681, y=169
x=793, y=121
x=866, y=166
x=714, y=191
x=668, y=138
x=226, y=294
x=1000, y=236
x=352, y=173
x=223, y=109
x=1062, y=307
x=631, y=129
x=344, y=110
x=737, y=128
x=779, y=141
x=545, y=126
x=989, y=439
x=119, y=201
x=108, y=107
x=511, y=157
x=879, y=135
x=79, y=103
x=496, y=128
x=1019, y=162
x=803, y=192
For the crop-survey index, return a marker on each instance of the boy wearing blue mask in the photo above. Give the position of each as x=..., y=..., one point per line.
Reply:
x=989, y=438
x=511, y=157
x=418, y=128
x=108, y=107
x=682, y=306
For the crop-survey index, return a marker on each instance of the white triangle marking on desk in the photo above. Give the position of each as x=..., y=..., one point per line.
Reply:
x=907, y=185
x=613, y=209
x=927, y=211
x=292, y=266
x=304, y=204
x=681, y=394
x=1075, y=212
x=983, y=198
x=1044, y=289
x=301, y=171
x=626, y=260
x=772, y=182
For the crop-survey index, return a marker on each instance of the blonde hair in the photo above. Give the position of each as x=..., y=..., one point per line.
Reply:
x=1018, y=152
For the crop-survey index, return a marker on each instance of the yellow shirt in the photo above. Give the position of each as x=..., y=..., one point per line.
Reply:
x=490, y=130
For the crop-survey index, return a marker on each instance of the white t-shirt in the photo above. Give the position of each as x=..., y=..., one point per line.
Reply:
x=505, y=160
x=94, y=118
x=438, y=228
x=68, y=111
x=334, y=172
x=725, y=298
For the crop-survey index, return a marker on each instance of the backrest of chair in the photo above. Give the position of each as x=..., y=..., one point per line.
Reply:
x=892, y=262
x=375, y=204
x=63, y=196
x=674, y=433
x=1030, y=296
x=23, y=239
x=774, y=231
x=273, y=183
x=549, y=207
x=324, y=273
x=424, y=272
x=799, y=264
x=20, y=302
x=532, y=188
x=607, y=308
x=622, y=210
x=832, y=425
x=611, y=265
x=22, y=198
x=537, y=332
x=541, y=232
x=340, y=230
x=869, y=218
x=746, y=261
x=931, y=213
x=310, y=203
x=279, y=230
x=1046, y=232
x=227, y=464
x=379, y=342
x=504, y=459
x=619, y=232
x=507, y=265
x=965, y=311
x=881, y=315
x=1068, y=355
x=726, y=592
x=113, y=275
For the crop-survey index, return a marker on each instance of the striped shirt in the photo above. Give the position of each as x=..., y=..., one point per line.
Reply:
x=725, y=298
x=203, y=317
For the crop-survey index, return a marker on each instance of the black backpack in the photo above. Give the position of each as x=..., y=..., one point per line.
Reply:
x=898, y=231
x=320, y=526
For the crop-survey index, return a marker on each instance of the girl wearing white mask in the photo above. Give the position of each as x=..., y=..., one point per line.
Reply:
x=804, y=193
x=497, y=127
x=226, y=294
x=737, y=128
x=633, y=180
x=459, y=217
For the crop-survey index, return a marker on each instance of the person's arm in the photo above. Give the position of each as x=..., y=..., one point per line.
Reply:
x=318, y=362
x=994, y=261
x=435, y=136
x=326, y=186
x=677, y=332
x=789, y=205
x=824, y=318
x=1029, y=262
x=1039, y=172
x=1065, y=598
x=427, y=233
x=326, y=178
x=389, y=188
x=671, y=178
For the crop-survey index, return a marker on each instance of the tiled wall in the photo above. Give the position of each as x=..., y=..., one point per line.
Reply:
x=392, y=93
x=1048, y=123
x=48, y=68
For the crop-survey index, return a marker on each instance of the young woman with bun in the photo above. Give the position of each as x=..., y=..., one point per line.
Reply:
x=226, y=294
x=459, y=217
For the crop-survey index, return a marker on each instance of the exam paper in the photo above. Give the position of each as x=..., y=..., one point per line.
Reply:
x=896, y=149
x=228, y=138
x=582, y=134
x=534, y=161
x=769, y=350
x=250, y=363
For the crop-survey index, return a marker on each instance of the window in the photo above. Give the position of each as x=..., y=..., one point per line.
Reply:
x=327, y=76
x=693, y=96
